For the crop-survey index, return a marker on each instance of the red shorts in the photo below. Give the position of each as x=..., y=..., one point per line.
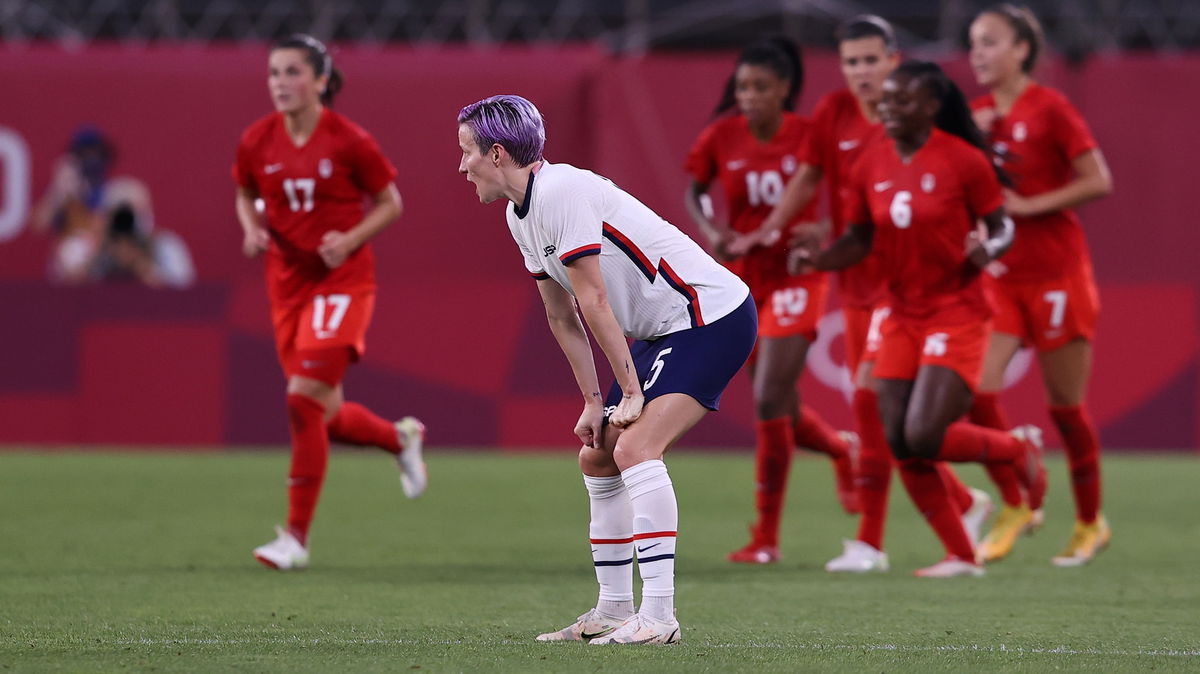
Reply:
x=793, y=307
x=909, y=345
x=324, y=322
x=862, y=335
x=1048, y=314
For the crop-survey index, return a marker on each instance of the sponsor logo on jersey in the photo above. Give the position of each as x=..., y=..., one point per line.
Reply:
x=273, y=168
x=735, y=165
x=325, y=168
x=928, y=182
x=883, y=185
x=549, y=250
x=847, y=145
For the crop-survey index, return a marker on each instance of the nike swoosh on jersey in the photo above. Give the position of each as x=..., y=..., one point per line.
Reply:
x=735, y=164
x=272, y=168
x=881, y=186
x=847, y=145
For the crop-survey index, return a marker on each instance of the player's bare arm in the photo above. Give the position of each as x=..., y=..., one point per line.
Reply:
x=1092, y=181
x=797, y=195
x=336, y=246
x=982, y=250
x=847, y=251
x=718, y=235
x=254, y=236
x=572, y=339
x=585, y=278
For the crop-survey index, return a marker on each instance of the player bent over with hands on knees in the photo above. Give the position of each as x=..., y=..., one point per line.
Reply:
x=591, y=246
x=915, y=196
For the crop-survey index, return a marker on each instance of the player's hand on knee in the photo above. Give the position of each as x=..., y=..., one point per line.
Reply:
x=588, y=426
x=628, y=410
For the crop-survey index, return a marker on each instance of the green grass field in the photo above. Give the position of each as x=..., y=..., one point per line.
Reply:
x=141, y=561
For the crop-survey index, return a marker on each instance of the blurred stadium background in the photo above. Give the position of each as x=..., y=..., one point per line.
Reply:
x=459, y=337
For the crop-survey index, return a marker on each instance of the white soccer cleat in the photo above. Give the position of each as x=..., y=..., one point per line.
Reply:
x=642, y=629
x=413, y=475
x=284, y=553
x=589, y=626
x=951, y=567
x=974, y=517
x=858, y=557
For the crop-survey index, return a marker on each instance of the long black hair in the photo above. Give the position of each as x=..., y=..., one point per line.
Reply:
x=1025, y=24
x=954, y=114
x=779, y=55
x=318, y=57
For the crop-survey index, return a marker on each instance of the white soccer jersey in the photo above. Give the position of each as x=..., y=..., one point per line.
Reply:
x=658, y=280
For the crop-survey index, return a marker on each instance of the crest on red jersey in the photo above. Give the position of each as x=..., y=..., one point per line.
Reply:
x=325, y=168
x=928, y=182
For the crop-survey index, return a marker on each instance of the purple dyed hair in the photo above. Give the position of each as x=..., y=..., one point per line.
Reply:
x=512, y=121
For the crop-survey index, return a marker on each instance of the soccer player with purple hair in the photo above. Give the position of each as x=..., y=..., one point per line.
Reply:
x=595, y=250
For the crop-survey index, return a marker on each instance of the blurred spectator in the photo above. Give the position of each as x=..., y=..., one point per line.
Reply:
x=128, y=252
x=80, y=209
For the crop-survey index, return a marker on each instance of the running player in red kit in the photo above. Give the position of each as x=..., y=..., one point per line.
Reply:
x=1044, y=288
x=845, y=122
x=915, y=197
x=312, y=169
x=751, y=154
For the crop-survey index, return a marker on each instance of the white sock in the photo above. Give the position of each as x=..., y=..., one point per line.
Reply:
x=611, y=533
x=655, y=522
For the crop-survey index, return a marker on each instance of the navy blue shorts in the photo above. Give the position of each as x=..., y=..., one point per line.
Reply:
x=698, y=361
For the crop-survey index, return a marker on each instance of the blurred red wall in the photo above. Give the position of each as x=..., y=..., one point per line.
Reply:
x=459, y=337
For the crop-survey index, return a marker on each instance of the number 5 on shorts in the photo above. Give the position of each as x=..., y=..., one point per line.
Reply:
x=656, y=368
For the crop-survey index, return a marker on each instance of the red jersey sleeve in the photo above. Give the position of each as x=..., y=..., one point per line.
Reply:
x=980, y=184
x=814, y=150
x=855, y=207
x=1071, y=132
x=372, y=170
x=701, y=163
x=243, y=173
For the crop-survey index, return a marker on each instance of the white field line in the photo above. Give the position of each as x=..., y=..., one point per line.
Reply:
x=969, y=648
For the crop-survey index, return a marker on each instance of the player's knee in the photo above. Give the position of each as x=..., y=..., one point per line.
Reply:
x=596, y=462
x=923, y=440
x=896, y=440
x=632, y=451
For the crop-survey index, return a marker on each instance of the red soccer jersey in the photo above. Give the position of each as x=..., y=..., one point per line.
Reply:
x=310, y=190
x=752, y=175
x=1039, y=138
x=922, y=211
x=840, y=135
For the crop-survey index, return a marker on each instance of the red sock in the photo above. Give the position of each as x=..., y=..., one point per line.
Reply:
x=357, y=425
x=986, y=412
x=1083, y=455
x=772, y=462
x=929, y=495
x=966, y=443
x=874, y=468
x=960, y=496
x=310, y=456
x=813, y=433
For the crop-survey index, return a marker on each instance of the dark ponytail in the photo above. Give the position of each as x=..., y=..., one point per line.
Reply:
x=1025, y=24
x=318, y=57
x=954, y=114
x=778, y=54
